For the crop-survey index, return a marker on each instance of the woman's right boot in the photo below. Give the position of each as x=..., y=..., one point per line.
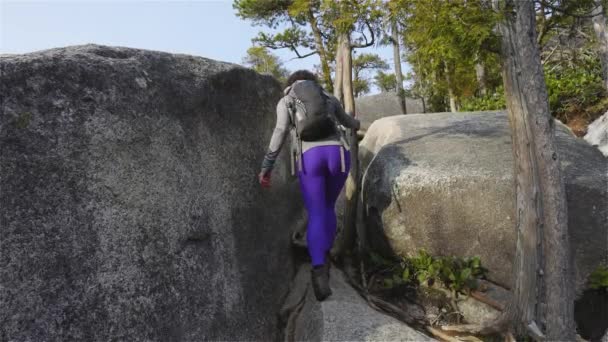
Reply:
x=320, y=281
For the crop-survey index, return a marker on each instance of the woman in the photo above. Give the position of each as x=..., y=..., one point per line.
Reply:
x=323, y=167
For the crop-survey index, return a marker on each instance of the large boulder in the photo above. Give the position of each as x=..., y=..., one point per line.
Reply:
x=130, y=208
x=597, y=133
x=373, y=107
x=444, y=183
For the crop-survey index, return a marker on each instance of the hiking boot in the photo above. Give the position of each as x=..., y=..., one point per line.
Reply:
x=320, y=282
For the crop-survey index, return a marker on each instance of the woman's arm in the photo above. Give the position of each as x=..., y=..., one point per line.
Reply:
x=345, y=119
x=278, y=137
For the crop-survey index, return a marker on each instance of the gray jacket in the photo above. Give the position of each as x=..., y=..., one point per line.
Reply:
x=284, y=125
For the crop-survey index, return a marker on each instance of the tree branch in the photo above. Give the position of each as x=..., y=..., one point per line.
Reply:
x=547, y=58
x=293, y=48
x=568, y=13
x=547, y=25
x=286, y=46
x=367, y=44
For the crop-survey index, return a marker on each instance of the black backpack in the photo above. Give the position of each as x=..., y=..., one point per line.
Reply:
x=308, y=110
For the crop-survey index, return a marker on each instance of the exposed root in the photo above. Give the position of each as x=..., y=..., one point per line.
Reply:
x=497, y=326
x=484, y=299
x=509, y=337
x=440, y=334
x=395, y=311
x=383, y=306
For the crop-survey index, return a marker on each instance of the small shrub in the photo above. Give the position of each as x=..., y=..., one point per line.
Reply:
x=495, y=101
x=573, y=90
x=599, y=278
x=459, y=275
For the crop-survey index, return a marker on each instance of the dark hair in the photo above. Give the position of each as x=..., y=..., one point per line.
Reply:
x=301, y=75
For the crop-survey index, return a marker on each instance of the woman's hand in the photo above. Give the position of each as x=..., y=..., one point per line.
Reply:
x=264, y=179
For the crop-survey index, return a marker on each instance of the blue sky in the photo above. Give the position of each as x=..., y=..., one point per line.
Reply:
x=203, y=28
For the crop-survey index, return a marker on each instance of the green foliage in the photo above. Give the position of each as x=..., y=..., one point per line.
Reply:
x=494, y=101
x=445, y=40
x=262, y=12
x=352, y=16
x=262, y=61
x=599, y=278
x=291, y=38
x=572, y=89
x=369, y=61
x=312, y=27
x=361, y=86
x=385, y=82
x=363, y=63
x=457, y=274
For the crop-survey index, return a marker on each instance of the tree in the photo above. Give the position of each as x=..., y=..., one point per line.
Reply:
x=544, y=293
x=353, y=22
x=363, y=63
x=543, y=301
x=446, y=40
x=356, y=25
x=262, y=61
x=300, y=15
x=395, y=42
x=599, y=26
x=385, y=82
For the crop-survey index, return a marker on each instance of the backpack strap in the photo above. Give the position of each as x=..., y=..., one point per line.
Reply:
x=291, y=109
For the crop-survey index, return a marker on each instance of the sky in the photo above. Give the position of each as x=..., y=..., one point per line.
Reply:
x=208, y=28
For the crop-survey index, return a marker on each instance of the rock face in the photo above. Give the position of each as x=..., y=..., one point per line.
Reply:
x=444, y=183
x=374, y=107
x=344, y=316
x=597, y=134
x=129, y=206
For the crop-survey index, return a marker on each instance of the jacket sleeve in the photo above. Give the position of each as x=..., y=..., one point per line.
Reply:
x=278, y=137
x=345, y=119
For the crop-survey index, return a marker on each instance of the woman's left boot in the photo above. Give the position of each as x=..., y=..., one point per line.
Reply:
x=320, y=281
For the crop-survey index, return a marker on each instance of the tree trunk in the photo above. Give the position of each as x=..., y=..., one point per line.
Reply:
x=448, y=78
x=347, y=74
x=322, y=52
x=338, y=83
x=480, y=71
x=453, y=106
x=397, y=61
x=543, y=289
x=423, y=104
x=356, y=72
x=349, y=233
x=599, y=25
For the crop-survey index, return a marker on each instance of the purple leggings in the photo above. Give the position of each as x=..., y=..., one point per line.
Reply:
x=321, y=181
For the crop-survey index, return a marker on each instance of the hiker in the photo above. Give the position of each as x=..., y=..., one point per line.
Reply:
x=320, y=154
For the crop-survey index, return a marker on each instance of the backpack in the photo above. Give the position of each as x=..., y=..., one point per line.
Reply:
x=308, y=110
